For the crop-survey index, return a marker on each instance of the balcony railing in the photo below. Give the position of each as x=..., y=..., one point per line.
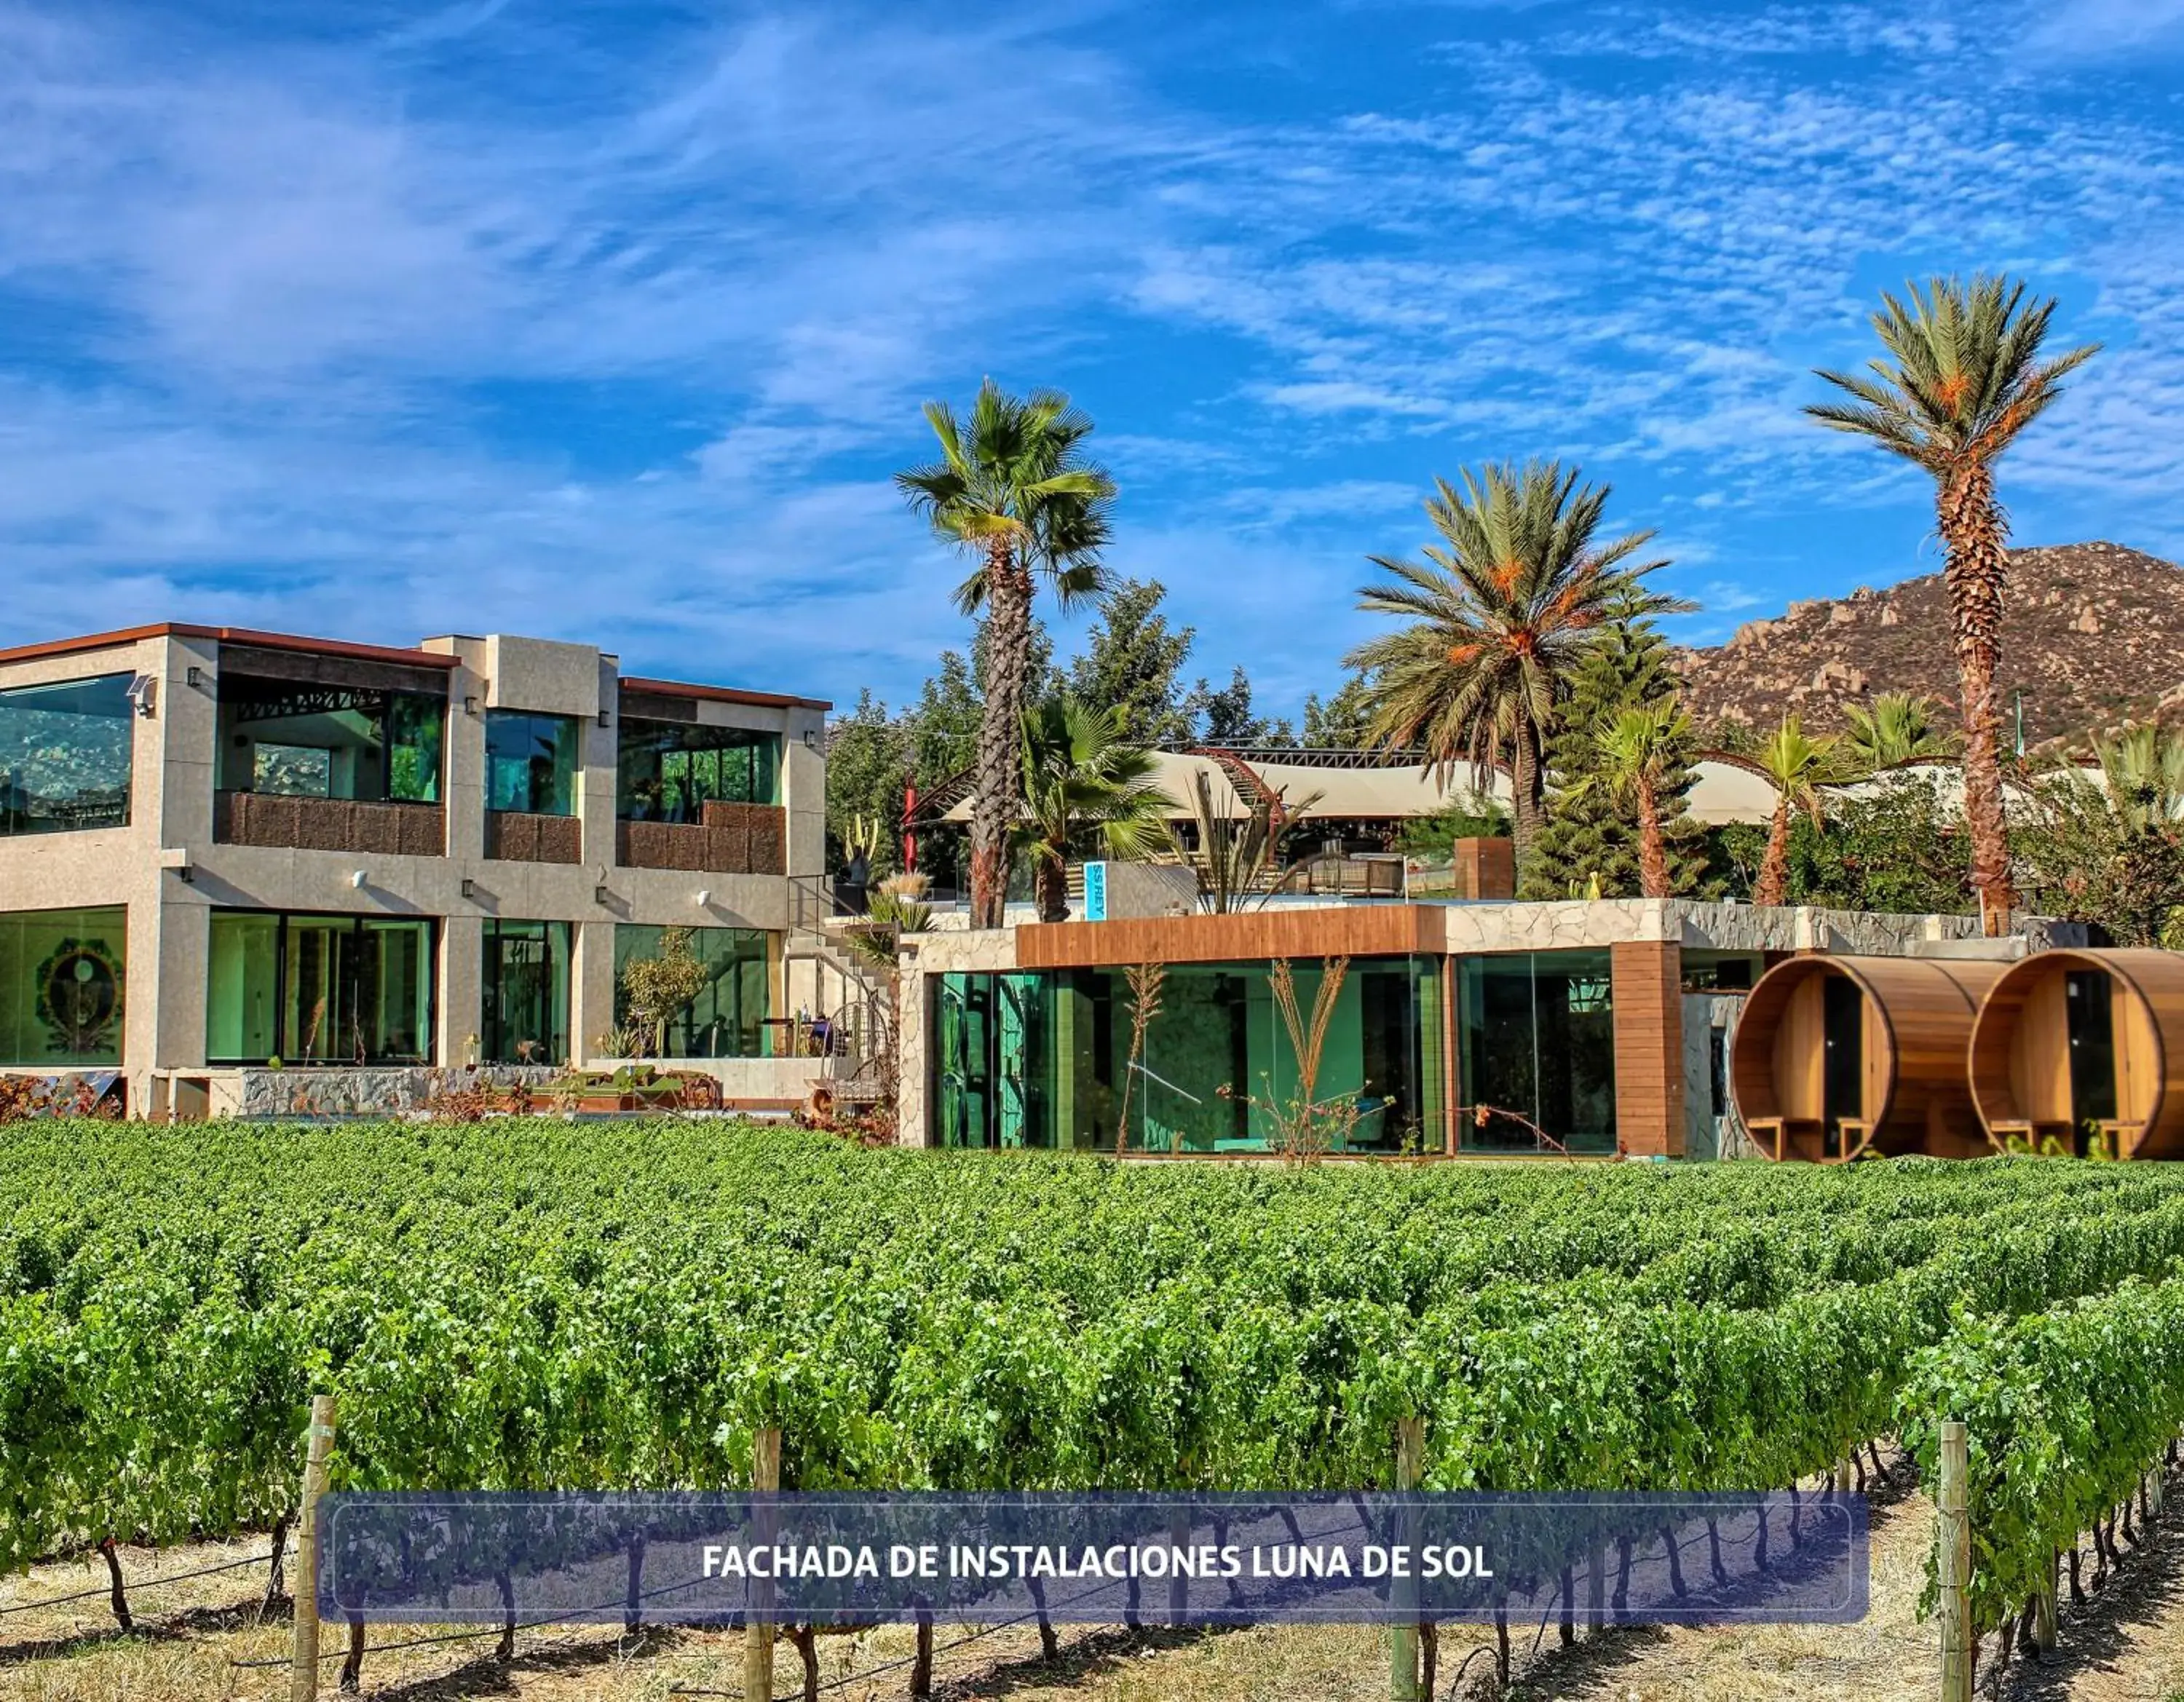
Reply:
x=515, y=836
x=329, y=824
x=727, y=839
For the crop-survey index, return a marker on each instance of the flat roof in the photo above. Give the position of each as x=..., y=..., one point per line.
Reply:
x=371, y=653
x=722, y=694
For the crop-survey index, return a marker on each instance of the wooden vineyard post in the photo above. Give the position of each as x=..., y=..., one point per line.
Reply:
x=758, y=1637
x=319, y=1443
x=2044, y=1612
x=1403, y=1637
x=1954, y=1545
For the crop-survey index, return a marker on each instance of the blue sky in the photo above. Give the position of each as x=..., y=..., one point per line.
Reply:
x=609, y=320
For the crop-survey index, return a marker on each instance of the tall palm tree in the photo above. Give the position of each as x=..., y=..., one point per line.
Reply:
x=1898, y=728
x=1963, y=376
x=1501, y=612
x=1798, y=766
x=1081, y=776
x=1637, y=752
x=1014, y=491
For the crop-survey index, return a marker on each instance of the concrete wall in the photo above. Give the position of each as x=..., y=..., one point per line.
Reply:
x=165, y=868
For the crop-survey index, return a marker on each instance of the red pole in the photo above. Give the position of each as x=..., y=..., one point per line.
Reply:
x=909, y=830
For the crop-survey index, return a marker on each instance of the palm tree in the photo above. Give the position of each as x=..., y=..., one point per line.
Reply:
x=1015, y=492
x=1962, y=377
x=1637, y=752
x=2144, y=772
x=1898, y=728
x=1501, y=612
x=1798, y=767
x=1080, y=775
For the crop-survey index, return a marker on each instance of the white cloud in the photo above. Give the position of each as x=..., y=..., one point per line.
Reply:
x=2098, y=28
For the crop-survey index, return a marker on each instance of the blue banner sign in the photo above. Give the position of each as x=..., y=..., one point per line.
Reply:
x=1102, y=1558
x=1095, y=891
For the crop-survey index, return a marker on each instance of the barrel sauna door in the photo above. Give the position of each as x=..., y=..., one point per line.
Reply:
x=1842, y=1078
x=2089, y=1003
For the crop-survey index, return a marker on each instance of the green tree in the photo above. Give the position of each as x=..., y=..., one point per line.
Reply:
x=1898, y=728
x=1638, y=753
x=660, y=988
x=1226, y=716
x=1587, y=839
x=1897, y=847
x=1345, y=720
x=1133, y=664
x=1499, y=614
x=1797, y=766
x=1015, y=492
x=2110, y=850
x=869, y=756
x=1963, y=376
x=1083, y=781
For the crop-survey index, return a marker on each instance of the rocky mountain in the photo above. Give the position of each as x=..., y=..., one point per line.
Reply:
x=2092, y=635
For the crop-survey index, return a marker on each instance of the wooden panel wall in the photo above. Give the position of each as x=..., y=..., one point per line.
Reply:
x=1484, y=868
x=1337, y=930
x=1647, y=988
x=1800, y=1052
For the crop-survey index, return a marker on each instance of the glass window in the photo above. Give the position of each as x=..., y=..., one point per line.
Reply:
x=728, y=1018
x=318, y=990
x=1047, y=1060
x=1538, y=1050
x=530, y=763
x=64, y=755
x=308, y=741
x=525, y=977
x=668, y=771
x=61, y=982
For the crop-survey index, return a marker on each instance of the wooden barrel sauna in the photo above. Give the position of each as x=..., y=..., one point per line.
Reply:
x=1838, y=1056
x=2073, y=1048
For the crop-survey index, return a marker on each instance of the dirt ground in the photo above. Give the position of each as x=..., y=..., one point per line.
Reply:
x=2126, y=1645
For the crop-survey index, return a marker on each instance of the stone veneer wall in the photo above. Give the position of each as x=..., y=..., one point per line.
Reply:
x=518, y=836
x=367, y=1092
x=329, y=824
x=731, y=839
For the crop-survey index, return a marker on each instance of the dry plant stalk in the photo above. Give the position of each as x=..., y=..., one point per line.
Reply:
x=1305, y=1125
x=1146, y=980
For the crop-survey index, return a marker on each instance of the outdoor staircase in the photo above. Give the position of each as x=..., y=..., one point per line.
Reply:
x=848, y=995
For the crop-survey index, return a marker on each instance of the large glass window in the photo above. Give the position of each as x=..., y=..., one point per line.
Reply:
x=530, y=762
x=61, y=981
x=525, y=977
x=728, y=1018
x=318, y=990
x=310, y=741
x=64, y=753
x=668, y=771
x=1053, y=1059
x=1538, y=1050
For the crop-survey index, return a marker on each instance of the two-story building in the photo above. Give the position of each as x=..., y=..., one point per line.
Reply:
x=224, y=851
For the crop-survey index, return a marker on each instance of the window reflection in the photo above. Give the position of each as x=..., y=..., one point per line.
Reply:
x=525, y=984
x=301, y=739
x=1538, y=1052
x=62, y=979
x=64, y=755
x=318, y=990
x=530, y=762
x=669, y=771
